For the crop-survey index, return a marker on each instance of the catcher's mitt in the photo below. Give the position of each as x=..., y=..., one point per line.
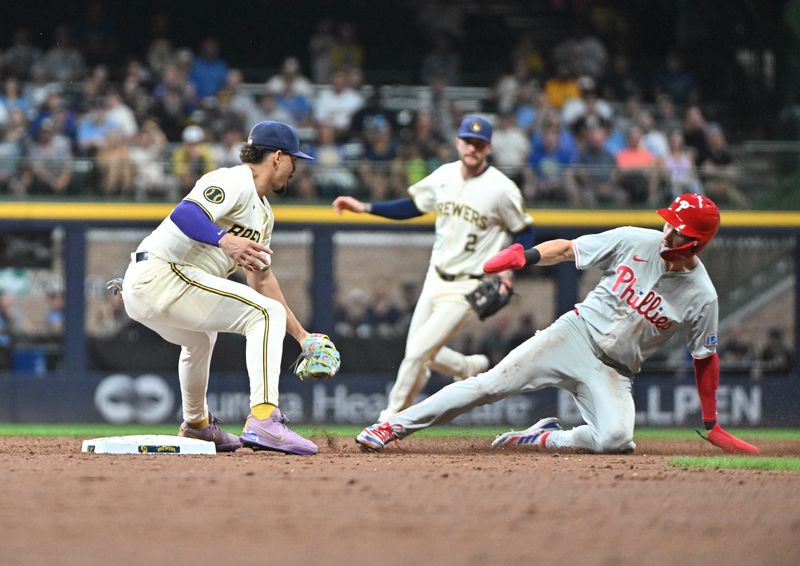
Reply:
x=490, y=296
x=319, y=359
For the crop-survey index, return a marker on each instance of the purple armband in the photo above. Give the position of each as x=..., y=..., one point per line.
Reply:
x=192, y=221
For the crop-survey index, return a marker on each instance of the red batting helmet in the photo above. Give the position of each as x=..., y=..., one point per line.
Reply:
x=694, y=216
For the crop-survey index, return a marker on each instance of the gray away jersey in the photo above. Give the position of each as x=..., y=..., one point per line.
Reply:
x=638, y=305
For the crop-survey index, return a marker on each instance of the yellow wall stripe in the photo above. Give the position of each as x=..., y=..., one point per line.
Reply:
x=155, y=212
x=258, y=307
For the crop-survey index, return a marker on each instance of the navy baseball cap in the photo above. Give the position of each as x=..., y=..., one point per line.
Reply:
x=477, y=128
x=277, y=135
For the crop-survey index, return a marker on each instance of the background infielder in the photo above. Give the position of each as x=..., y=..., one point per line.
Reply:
x=652, y=286
x=476, y=207
x=176, y=284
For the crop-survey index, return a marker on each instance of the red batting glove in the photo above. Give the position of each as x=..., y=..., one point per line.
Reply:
x=513, y=257
x=721, y=438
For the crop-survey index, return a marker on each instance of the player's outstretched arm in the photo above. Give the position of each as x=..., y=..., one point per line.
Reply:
x=349, y=203
x=516, y=257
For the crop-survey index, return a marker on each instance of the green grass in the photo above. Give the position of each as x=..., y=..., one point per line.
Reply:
x=347, y=431
x=737, y=463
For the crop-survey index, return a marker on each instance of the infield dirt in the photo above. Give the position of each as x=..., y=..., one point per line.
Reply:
x=428, y=501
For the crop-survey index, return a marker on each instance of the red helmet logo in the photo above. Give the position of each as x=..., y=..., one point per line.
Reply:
x=695, y=216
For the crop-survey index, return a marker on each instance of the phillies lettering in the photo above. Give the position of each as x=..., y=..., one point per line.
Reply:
x=646, y=305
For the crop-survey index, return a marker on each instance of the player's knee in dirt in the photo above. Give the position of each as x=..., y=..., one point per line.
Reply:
x=614, y=441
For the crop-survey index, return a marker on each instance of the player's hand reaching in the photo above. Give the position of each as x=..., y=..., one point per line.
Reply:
x=246, y=253
x=348, y=203
x=721, y=438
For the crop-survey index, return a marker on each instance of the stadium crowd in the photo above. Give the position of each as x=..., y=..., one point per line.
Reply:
x=575, y=125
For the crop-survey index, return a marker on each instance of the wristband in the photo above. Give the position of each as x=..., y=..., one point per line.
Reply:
x=367, y=207
x=532, y=256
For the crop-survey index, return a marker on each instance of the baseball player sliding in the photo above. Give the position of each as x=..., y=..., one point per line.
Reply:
x=476, y=207
x=653, y=285
x=176, y=284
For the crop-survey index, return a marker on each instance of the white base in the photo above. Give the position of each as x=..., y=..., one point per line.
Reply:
x=148, y=444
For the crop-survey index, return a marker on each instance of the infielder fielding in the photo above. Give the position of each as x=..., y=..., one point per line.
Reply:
x=176, y=284
x=653, y=285
x=476, y=207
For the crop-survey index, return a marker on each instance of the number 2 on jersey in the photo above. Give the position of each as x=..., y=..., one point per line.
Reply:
x=472, y=239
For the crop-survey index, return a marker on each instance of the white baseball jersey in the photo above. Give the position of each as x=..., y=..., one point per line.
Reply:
x=638, y=305
x=228, y=197
x=181, y=291
x=473, y=216
x=592, y=353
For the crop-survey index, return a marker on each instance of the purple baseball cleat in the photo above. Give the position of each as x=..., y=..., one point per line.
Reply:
x=273, y=434
x=224, y=441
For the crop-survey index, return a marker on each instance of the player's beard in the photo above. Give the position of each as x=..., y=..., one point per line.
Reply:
x=281, y=190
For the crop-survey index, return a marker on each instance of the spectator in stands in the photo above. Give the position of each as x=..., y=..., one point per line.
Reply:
x=120, y=114
x=22, y=56
x=48, y=169
x=545, y=176
x=736, y=352
x=443, y=108
x=619, y=83
x=171, y=113
x=383, y=314
x=269, y=109
x=443, y=61
x=666, y=118
x=586, y=110
x=694, y=133
x=776, y=357
x=351, y=315
x=10, y=155
x=653, y=139
x=526, y=51
x=160, y=50
x=147, y=156
x=561, y=87
x=582, y=52
x=373, y=111
x=320, y=50
x=337, y=104
x=636, y=173
x=93, y=87
x=217, y=115
x=551, y=119
x=290, y=81
x=54, y=315
x=209, y=70
x=675, y=81
x=242, y=102
x=63, y=62
x=192, y=159
x=346, y=53
x=718, y=172
x=530, y=106
x=12, y=97
x=378, y=170
x=510, y=148
x=426, y=139
x=331, y=174
x=116, y=167
x=590, y=181
x=505, y=92
x=93, y=129
x=225, y=152
x=679, y=167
